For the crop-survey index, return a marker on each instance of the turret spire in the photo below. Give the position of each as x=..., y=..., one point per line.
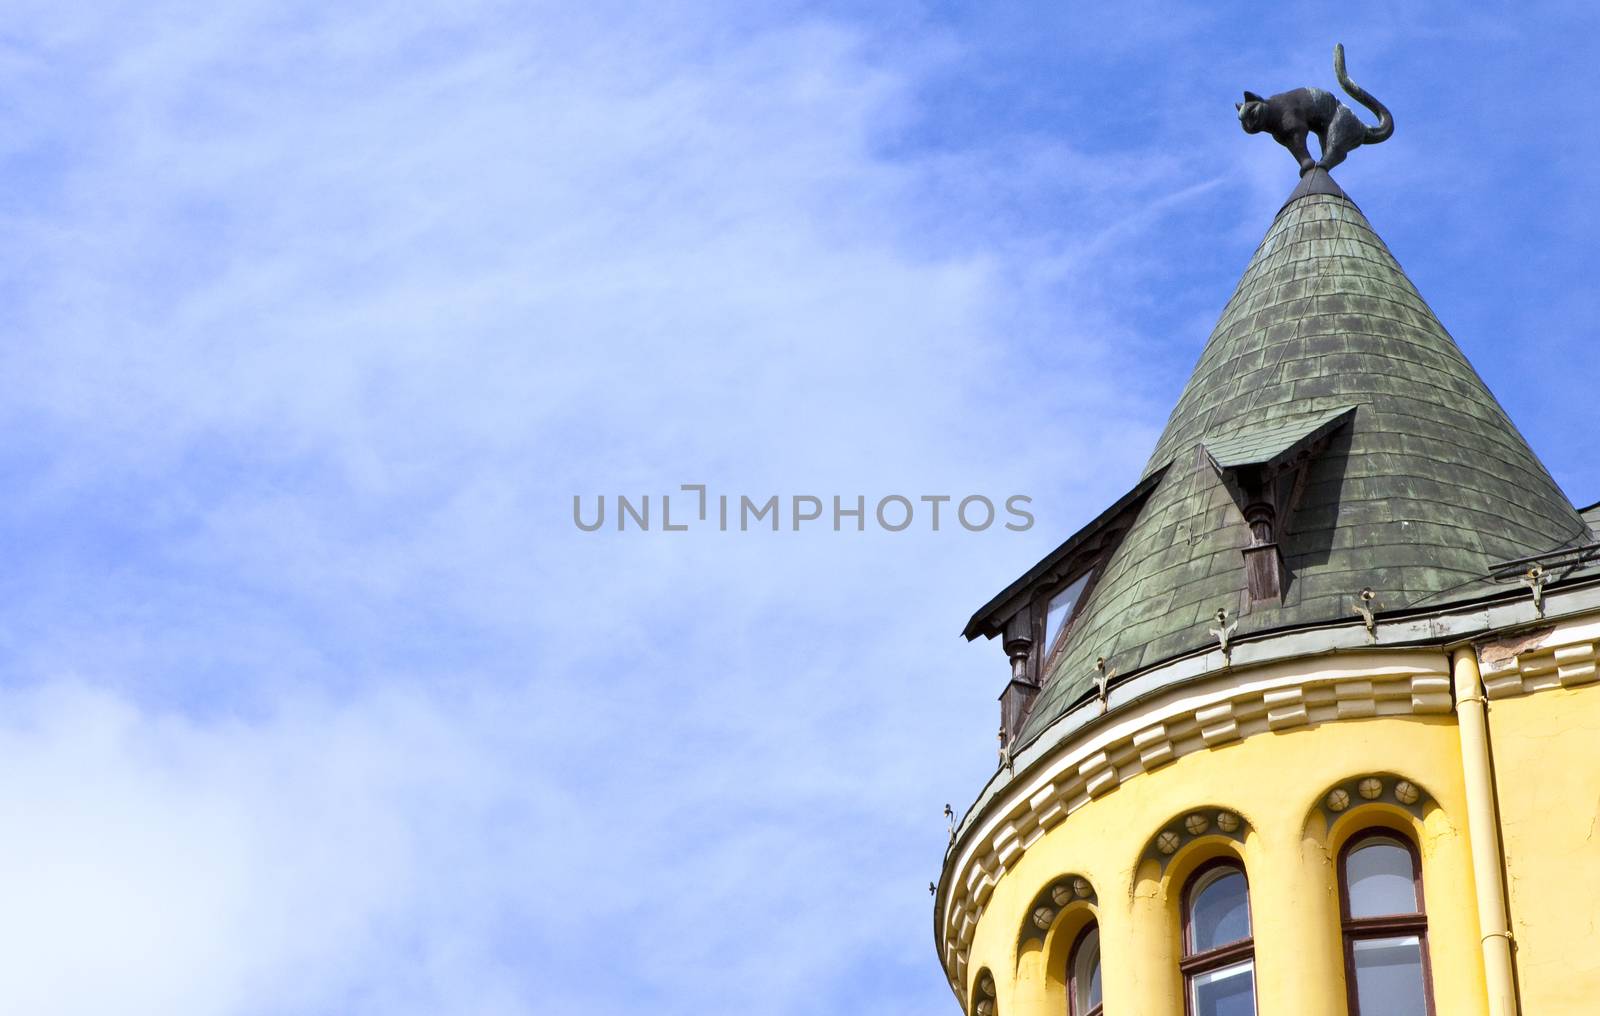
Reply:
x=1332, y=438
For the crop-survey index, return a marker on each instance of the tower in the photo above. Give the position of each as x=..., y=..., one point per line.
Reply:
x=1302, y=723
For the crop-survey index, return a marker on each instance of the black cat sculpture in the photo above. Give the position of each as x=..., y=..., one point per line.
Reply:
x=1290, y=116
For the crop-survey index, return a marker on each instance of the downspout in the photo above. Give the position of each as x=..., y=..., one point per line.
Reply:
x=1483, y=826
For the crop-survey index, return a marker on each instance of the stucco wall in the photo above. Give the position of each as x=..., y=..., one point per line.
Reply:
x=1274, y=780
x=1547, y=775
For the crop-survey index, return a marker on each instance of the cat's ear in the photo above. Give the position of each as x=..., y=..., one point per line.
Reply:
x=1238, y=105
x=1253, y=97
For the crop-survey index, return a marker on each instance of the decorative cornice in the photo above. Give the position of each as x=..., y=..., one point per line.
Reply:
x=1509, y=611
x=1537, y=659
x=1195, y=717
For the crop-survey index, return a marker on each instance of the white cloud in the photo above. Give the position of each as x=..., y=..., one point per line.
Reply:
x=320, y=703
x=157, y=863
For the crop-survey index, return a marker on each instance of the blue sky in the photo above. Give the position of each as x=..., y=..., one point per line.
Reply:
x=314, y=700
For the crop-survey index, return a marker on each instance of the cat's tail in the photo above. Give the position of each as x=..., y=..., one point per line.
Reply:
x=1385, y=118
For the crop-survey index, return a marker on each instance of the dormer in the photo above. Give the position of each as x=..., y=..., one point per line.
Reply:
x=1034, y=615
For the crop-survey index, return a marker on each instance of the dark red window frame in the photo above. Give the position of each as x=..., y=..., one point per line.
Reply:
x=1388, y=926
x=1223, y=956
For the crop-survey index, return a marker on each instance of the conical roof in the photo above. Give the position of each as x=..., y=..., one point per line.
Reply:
x=1417, y=493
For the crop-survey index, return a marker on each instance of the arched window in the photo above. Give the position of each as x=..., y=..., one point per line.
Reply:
x=1083, y=993
x=1385, y=927
x=1218, y=952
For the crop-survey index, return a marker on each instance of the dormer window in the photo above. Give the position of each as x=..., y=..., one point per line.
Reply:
x=1033, y=616
x=1035, y=639
x=1055, y=621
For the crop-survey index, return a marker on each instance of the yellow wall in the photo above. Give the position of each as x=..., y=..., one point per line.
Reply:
x=1274, y=780
x=1547, y=771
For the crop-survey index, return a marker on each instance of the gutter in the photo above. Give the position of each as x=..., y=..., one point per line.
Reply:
x=1483, y=827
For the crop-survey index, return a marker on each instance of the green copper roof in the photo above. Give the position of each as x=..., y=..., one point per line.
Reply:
x=1264, y=446
x=1417, y=494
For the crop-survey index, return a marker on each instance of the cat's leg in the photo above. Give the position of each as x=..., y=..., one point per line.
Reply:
x=1322, y=145
x=1296, y=143
x=1343, y=137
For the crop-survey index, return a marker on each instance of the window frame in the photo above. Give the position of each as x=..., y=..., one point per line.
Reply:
x=1193, y=963
x=1093, y=927
x=1043, y=655
x=1355, y=929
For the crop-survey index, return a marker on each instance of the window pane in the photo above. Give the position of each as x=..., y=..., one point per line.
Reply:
x=1220, y=912
x=1060, y=610
x=1389, y=976
x=1086, y=973
x=1379, y=878
x=1230, y=991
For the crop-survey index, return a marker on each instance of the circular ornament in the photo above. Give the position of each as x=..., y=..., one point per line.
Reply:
x=1196, y=824
x=1338, y=799
x=1406, y=792
x=985, y=1007
x=1043, y=918
x=1371, y=788
x=1082, y=888
x=1227, y=821
x=1168, y=841
x=986, y=985
x=1062, y=894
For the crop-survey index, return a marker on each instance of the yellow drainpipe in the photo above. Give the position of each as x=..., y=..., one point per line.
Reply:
x=1483, y=826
